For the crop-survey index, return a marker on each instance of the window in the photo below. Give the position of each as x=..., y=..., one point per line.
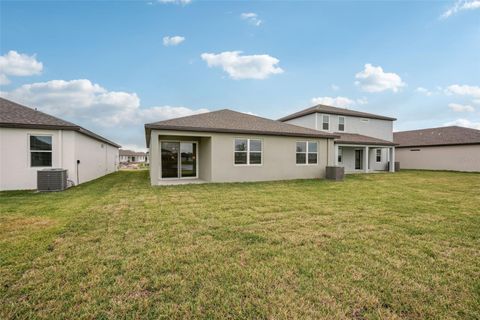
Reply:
x=325, y=122
x=255, y=151
x=40, y=151
x=341, y=123
x=248, y=152
x=340, y=154
x=306, y=152
x=378, y=155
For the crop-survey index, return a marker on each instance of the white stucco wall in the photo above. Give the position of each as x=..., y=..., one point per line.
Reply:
x=96, y=158
x=378, y=166
x=67, y=147
x=458, y=158
x=381, y=129
x=308, y=121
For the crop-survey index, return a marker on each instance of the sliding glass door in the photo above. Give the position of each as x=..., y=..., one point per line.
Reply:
x=179, y=159
x=188, y=153
x=170, y=152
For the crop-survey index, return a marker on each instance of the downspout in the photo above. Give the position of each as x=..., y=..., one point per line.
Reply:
x=60, y=148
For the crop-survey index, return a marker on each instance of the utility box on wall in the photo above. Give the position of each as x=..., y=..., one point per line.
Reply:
x=51, y=180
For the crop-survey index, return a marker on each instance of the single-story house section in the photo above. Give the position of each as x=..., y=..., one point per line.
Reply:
x=446, y=148
x=229, y=146
x=130, y=156
x=31, y=140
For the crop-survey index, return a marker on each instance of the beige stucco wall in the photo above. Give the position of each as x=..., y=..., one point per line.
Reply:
x=205, y=158
x=216, y=157
x=458, y=158
x=67, y=147
x=279, y=160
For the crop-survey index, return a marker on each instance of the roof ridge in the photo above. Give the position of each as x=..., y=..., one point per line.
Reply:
x=323, y=108
x=435, y=128
x=183, y=117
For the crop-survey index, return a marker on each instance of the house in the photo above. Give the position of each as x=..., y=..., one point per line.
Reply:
x=365, y=142
x=445, y=148
x=128, y=156
x=229, y=146
x=31, y=140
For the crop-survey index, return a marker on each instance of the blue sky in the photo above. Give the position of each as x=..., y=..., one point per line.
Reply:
x=113, y=66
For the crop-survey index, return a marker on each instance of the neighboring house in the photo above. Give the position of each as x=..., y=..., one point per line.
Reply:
x=365, y=138
x=31, y=140
x=445, y=148
x=228, y=146
x=128, y=156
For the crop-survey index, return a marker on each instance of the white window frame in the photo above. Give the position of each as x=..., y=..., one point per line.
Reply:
x=307, y=151
x=340, y=155
x=344, y=123
x=30, y=149
x=376, y=155
x=328, y=122
x=248, y=153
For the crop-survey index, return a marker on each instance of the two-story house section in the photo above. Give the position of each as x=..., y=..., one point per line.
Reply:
x=366, y=140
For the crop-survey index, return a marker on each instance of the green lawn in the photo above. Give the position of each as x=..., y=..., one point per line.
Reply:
x=391, y=246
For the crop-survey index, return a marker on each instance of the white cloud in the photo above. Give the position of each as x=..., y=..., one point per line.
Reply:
x=182, y=2
x=251, y=18
x=340, y=102
x=424, y=91
x=374, y=79
x=461, y=108
x=243, y=67
x=116, y=114
x=334, y=87
x=19, y=65
x=362, y=101
x=464, y=123
x=85, y=101
x=464, y=90
x=172, y=41
x=461, y=5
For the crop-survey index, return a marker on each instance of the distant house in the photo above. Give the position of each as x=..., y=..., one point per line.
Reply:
x=31, y=140
x=444, y=148
x=365, y=142
x=129, y=156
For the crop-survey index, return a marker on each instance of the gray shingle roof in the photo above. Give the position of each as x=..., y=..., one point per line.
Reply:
x=14, y=115
x=442, y=136
x=334, y=110
x=353, y=138
x=234, y=122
